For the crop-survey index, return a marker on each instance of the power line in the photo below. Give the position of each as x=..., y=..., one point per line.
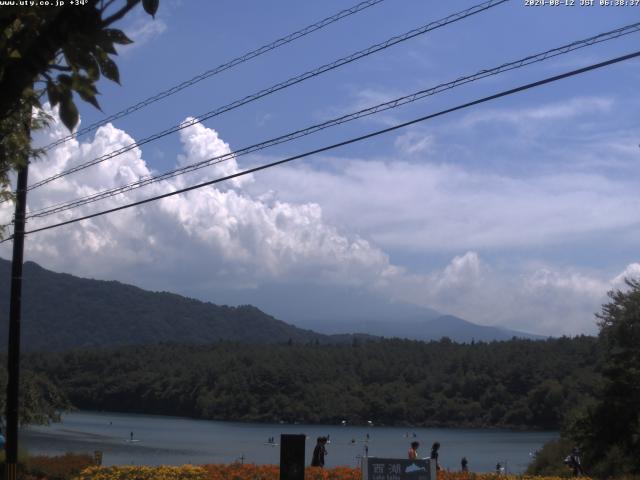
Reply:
x=347, y=142
x=219, y=69
x=539, y=57
x=282, y=85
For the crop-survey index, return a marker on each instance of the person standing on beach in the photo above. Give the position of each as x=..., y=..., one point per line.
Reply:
x=464, y=464
x=434, y=453
x=413, y=451
x=319, y=452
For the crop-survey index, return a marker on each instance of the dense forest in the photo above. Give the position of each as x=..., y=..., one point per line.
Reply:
x=519, y=383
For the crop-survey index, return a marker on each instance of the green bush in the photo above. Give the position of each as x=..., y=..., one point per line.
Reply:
x=549, y=460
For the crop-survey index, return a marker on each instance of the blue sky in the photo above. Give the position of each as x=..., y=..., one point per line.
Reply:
x=521, y=212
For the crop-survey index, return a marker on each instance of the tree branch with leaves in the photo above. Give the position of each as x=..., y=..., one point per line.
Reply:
x=57, y=52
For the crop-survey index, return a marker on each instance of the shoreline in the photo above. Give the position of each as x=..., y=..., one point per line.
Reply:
x=436, y=426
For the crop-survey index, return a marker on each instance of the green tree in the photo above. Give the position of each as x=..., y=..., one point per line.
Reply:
x=545, y=402
x=609, y=428
x=41, y=400
x=58, y=51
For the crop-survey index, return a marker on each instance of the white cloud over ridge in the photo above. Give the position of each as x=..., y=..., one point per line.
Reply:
x=539, y=299
x=286, y=228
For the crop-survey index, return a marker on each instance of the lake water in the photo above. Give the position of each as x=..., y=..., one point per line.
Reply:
x=174, y=441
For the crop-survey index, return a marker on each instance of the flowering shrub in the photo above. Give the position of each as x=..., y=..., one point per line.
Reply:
x=336, y=473
x=184, y=472
x=238, y=471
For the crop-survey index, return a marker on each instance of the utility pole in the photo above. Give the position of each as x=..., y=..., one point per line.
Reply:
x=13, y=368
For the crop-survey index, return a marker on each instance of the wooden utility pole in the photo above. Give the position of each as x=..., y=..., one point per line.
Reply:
x=13, y=367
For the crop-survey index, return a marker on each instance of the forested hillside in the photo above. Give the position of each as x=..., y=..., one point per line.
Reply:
x=520, y=383
x=62, y=312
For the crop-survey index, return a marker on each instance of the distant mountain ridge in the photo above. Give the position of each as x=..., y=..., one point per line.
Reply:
x=61, y=311
x=466, y=331
x=342, y=309
x=424, y=327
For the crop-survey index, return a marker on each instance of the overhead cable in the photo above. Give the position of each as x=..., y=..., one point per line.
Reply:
x=531, y=59
x=489, y=98
x=280, y=86
x=219, y=69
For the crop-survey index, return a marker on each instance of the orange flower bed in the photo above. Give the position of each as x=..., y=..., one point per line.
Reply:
x=249, y=471
x=236, y=471
x=130, y=472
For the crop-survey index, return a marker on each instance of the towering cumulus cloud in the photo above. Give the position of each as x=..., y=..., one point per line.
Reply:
x=220, y=233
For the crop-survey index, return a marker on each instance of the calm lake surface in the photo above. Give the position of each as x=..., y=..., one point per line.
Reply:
x=174, y=441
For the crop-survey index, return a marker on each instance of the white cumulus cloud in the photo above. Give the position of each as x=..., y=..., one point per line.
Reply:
x=221, y=234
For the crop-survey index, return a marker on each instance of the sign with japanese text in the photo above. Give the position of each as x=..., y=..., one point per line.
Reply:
x=374, y=468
